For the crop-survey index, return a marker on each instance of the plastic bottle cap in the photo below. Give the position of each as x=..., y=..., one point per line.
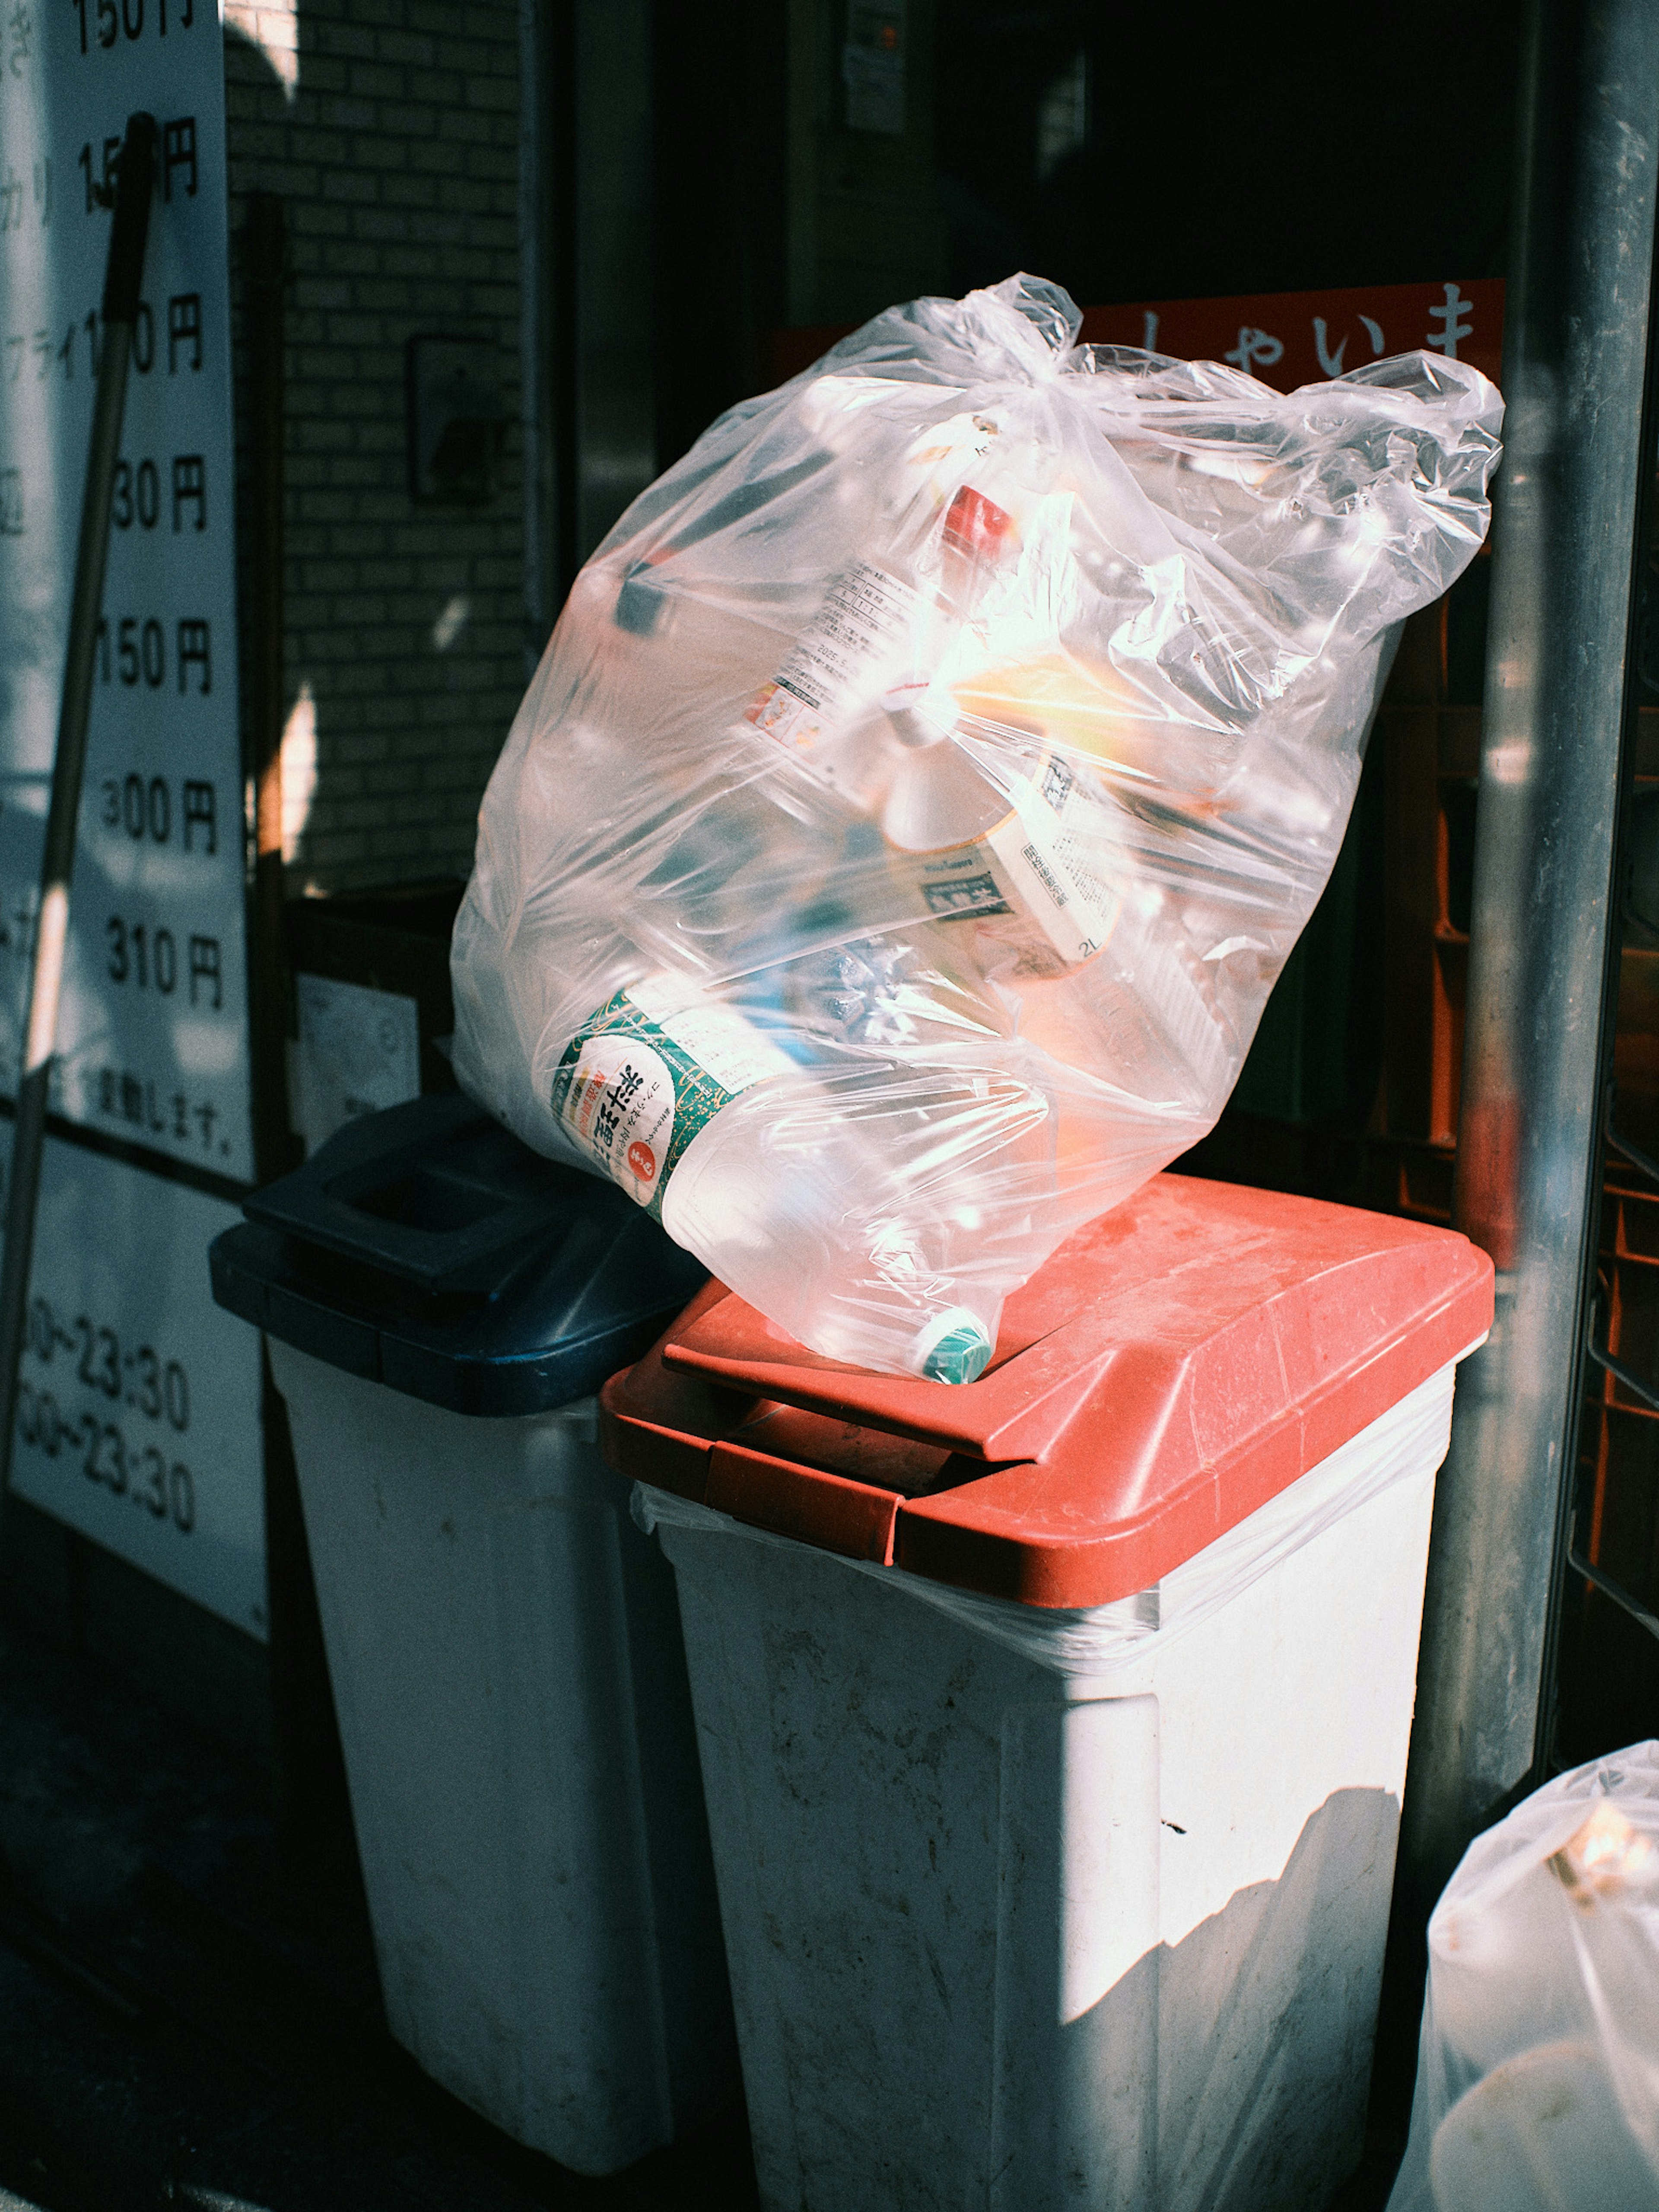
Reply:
x=953, y=1348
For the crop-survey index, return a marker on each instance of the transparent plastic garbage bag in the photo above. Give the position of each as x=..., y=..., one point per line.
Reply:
x=1538, y=2075
x=924, y=786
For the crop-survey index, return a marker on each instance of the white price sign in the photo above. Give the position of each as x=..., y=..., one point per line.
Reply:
x=153, y=1034
x=138, y=1400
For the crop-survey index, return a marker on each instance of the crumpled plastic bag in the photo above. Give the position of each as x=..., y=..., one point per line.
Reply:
x=1538, y=2075
x=924, y=786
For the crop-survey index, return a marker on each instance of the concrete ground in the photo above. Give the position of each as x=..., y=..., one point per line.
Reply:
x=184, y=2024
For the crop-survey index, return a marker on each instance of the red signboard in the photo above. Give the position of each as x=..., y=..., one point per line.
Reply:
x=1285, y=338
x=1290, y=338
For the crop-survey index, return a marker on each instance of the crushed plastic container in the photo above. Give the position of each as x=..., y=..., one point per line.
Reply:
x=503, y=1644
x=1054, y=1726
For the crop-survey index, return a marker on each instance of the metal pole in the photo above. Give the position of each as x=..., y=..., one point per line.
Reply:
x=123, y=274
x=1558, y=704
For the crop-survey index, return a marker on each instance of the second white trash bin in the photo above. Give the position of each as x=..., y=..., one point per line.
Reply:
x=1068, y=1887
x=503, y=1644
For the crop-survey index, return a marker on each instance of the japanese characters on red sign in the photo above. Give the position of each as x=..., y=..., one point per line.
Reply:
x=1291, y=338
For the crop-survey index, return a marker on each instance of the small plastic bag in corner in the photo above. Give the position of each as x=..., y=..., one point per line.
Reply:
x=924, y=787
x=1538, y=2077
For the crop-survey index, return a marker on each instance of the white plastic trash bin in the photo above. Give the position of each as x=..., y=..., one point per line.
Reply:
x=503, y=1644
x=1053, y=1728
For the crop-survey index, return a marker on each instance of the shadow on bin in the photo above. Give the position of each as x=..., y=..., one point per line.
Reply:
x=503, y=1644
x=1251, y=2089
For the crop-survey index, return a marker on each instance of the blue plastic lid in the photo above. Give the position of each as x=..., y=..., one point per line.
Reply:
x=428, y=1248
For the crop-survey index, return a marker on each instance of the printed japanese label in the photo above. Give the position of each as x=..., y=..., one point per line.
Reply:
x=1033, y=867
x=648, y=1072
x=841, y=659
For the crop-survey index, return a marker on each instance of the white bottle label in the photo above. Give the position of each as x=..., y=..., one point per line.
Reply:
x=1034, y=867
x=649, y=1070
x=842, y=660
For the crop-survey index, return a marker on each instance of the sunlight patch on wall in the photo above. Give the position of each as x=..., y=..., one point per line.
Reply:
x=299, y=770
x=272, y=26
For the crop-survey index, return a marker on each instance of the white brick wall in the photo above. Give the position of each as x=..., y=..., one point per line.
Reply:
x=390, y=129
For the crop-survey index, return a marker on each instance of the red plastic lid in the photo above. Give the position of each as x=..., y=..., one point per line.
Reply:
x=1174, y=1365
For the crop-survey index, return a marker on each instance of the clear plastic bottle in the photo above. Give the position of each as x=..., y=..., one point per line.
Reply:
x=1012, y=846
x=854, y=693
x=841, y=1200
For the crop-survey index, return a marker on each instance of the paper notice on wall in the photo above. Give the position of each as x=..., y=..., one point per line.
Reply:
x=873, y=66
x=357, y=1051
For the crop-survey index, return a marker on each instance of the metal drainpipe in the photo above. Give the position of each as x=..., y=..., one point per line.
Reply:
x=1558, y=702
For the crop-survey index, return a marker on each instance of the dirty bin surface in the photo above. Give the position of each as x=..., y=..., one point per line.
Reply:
x=503, y=1644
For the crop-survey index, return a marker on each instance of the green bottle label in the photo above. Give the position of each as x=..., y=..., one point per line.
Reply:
x=648, y=1072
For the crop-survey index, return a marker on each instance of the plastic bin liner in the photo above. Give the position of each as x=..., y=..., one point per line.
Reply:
x=924, y=787
x=1538, y=2079
x=1082, y=1642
